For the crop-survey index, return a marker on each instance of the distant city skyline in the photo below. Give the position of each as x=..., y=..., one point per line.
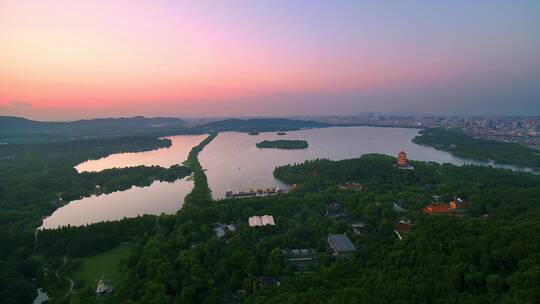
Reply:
x=68, y=60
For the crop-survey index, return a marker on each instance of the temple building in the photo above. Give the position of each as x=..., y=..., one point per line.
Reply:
x=402, y=162
x=436, y=209
x=402, y=158
x=457, y=207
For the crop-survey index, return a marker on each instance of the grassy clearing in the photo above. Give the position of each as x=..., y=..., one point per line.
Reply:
x=105, y=264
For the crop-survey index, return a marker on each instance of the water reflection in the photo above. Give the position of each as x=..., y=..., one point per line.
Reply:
x=234, y=162
x=159, y=197
x=164, y=157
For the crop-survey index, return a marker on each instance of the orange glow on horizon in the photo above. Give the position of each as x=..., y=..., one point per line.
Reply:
x=102, y=55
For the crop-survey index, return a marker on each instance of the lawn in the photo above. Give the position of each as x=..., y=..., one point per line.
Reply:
x=105, y=264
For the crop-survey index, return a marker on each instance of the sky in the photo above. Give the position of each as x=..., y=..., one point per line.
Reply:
x=70, y=59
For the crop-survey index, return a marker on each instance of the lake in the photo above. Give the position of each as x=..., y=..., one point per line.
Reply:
x=159, y=197
x=232, y=161
x=164, y=157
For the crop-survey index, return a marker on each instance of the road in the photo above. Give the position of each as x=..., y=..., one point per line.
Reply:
x=57, y=273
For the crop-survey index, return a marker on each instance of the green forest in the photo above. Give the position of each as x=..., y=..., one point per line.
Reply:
x=490, y=254
x=37, y=178
x=460, y=144
x=283, y=144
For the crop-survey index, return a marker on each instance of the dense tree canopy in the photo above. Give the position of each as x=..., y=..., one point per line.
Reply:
x=283, y=144
x=37, y=178
x=489, y=256
x=460, y=144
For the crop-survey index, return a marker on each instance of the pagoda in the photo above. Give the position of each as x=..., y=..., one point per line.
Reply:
x=402, y=161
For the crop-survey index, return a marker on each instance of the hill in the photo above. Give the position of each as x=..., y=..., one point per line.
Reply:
x=18, y=129
x=18, y=126
x=260, y=125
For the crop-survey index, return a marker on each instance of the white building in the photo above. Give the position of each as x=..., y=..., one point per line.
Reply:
x=257, y=221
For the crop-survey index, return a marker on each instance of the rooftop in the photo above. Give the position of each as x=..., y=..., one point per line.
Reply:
x=341, y=243
x=436, y=208
x=221, y=229
x=264, y=220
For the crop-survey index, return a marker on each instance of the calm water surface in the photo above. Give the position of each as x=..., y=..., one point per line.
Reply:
x=234, y=162
x=159, y=197
x=164, y=157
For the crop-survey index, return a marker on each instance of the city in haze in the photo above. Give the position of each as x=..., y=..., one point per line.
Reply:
x=66, y=60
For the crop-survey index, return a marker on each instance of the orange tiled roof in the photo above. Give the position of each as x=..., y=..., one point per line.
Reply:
x=436, y=208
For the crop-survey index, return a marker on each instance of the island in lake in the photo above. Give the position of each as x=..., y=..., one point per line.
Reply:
x=283, y=144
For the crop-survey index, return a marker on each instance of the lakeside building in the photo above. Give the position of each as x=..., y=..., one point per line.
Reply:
x=265, y=220
x=341, y=246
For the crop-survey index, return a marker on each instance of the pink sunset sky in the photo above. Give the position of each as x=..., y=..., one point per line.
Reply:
x=81, y=59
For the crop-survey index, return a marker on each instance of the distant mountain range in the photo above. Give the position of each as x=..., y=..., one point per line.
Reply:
x=259, y=124
x=19, y=125
x=22, y=128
